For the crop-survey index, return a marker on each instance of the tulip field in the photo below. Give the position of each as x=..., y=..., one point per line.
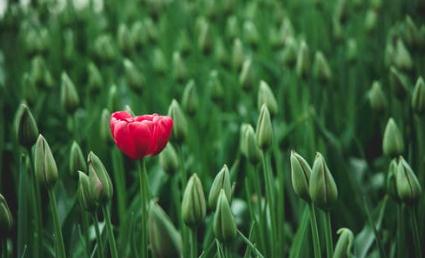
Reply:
x=212, y=128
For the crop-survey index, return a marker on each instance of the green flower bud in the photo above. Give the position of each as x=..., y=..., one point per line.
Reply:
x=204, y=35
x=250, y=33
x=180, y=122
x=321, y=69
x=344, y=244
x=264, y=130
x=165, y=240
x=104, y=48
x=242, y=142
x=391, y=180
x=224, y=223
x=322, y=188
x=85, y=194
x=238, y=55
x=26, y=127
x=159, y=61
x=124, y=38
x=76, y=159
x=371, y=20
x=266, y=96
x=138, y=35
x=377, y=99
x=220, y=52
x=133, y=76
x=112, y=98
x=193, y=205
x=398, y=83
x=402, y=58
x=6, y=219
x=303, y=60
x=215, y=86
x=232, y=27
x=46, y=171
x=100, y=182
x=418, y=97
x=95, y=80
x=289, y=55
x=69, y=96
x=410, y=31
x=168, y=159
x=408, y=187
x=104, y=130
x=253, y=152
x=183, y=43
x=352, y=50
x=179, y=68
x=392, y=144
x=221, y=182
x=190, y=101
x=37, y=72
x=247, y=75
x=300, y=174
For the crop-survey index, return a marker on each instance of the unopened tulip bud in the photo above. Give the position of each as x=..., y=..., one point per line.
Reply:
x=224, y=223
x=138, y=35
x=104, y=48
x=104, y=130
x=264, y=130
x=232, y=27
x=112, y=98
x=266, y=96
x=69, y=96
x=37, y=72
x=250, y=33
x=193, y=205
x=179, y=67
x=322, y=188
x=26, y=127
x=402, y=58
x=204, y=36
x=85, y=195
x=393, y=143
x=253, y=152
x=220, y=52
x=290, y=52
x=238, y=55
x=165, y=240
x=370, y=21
x=221, y=182
x=183, y=43
x=344, y=245
x=408, y=187
x=321, y=69
x=352, y=50
x=6, y=219
x=410, y=31
x=247, y=75
x=76, y=159
x=418, y=97
x=180, y=122
x=124, y=38
x=95, y=80
x=398, y=82
x=168, y=159
x=376, y=97
x=300, y=175
x=134, y=77
x=151, y=30
x=303, y=60
x=215, y=86
x=391, y=180
x=159, y=62
x=100, y=182
x=46, y=171
x=190, y=101
x=242, y=142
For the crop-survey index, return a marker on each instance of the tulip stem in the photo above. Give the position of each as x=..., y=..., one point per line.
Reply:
x=3, y=248
x=22, y=207
x=314, y=232
x=328, y=234
x=36, y=203
x=144, y=203
x=194, y=246
x=98, y=236
x=250, y=244
x=416, y=236
x=60, y=246
x=109, y=230
x=85, y=225
x=400, y=231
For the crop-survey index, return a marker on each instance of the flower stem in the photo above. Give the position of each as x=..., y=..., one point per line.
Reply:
x=85, y=225
x=112, y=243
x=22, y=207
x=314, y=232
x=194, y=245
x=98, y=236
x=400, y=248
x=328, y=231
x=60, y=246
x=36, y=203
x=144, y=203
x=416, y=236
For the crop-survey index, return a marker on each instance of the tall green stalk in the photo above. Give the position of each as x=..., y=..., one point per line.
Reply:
x=400, y=231
x=194, y=243
x=314, y=231
x=98, y=236
x=22, y=240
x=144, y=204
x=328, y=234
x=109, y=230
x=416, y=236
x=60, y=246
x=36, y=203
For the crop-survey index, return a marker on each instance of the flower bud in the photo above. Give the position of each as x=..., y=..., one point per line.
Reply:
x=321, y=69
x=408, y=187
x=247, y=76
x=95, y=80
x=26, y=127
x=204, y=35
x=193, y=204
x=190, y=101
x=232, y=27
x=46, y=171
x=300, y=174
x=288, y=56
x=371, y=20
x=179, y=68
x=168, y=159
x=224, y=223
x=377, y=99
x=124, y=39
x=253, y=152
x=100, y=183
x=418, y=97
x=398, y=83
x=402, y=58
x=393, y=143
x=104, y=48
x=266, y=96
x=37, y=71
x=133, y=76
x=264, y=130
x=159, y=61
x=344, y=245
x=112, y=98
x=165, y=240
x=391, y=180
x=183, y=43
x=6, y=219
x=216, y=89
x=352, y=50
x=238, y=55
x=151, y=30
x=69, y=96
x=303, y=60
x=221, y=182
x=322, y=188
x=76, y=159
x=180, y=122
x=85, y=194
x=104, y=130
x=138, y=35
x=250, y=33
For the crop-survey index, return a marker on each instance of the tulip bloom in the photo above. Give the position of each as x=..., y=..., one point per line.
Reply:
x=140, y=136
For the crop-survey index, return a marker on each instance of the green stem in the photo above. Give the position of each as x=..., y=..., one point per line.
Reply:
x=415, y=230
x=98, y=236
x=400, y=248
x=22, y=207
x=246, y=240
x=85, y=225
x=194, y=245
x=36, y=203
x=268, y=178
x=329, y=239
x=109, y=230
x=373, y=227
x=183, y=228
x=60, y=246
x=144, y=203
x=314, y=232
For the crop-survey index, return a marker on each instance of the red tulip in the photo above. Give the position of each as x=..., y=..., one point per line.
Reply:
x=140, y=136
